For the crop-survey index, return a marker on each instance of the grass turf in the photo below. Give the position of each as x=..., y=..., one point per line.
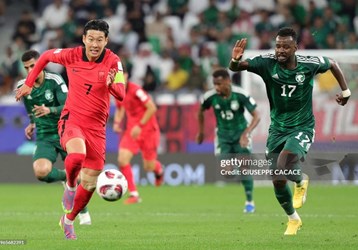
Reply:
x=185, y=217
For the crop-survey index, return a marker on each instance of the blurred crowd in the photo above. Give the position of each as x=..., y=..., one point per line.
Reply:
x=173, y=45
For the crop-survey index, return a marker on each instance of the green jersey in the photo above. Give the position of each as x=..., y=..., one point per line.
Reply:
x=289, y=91
x=52, y=93
x=229, y=112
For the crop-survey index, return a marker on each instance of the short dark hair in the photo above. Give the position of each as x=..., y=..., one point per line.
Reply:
x=221, y=72
x=30, y=54
x=287, y=31
x=97, y=24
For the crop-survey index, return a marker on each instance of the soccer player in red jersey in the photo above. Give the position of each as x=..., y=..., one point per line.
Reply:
x=94, y=73
x=141, y=133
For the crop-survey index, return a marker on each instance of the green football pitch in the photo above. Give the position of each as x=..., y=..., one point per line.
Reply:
x=185, y=217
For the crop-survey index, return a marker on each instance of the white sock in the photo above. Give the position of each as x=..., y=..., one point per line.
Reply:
x=250, y=203
x=294, y=216
x=71, y=188
x=134, y=193
x=68, y=221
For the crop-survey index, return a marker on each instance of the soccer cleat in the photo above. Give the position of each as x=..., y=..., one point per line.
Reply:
x=85, y=218
x=67, y=229
x=67, y=200
x=249, y=207
x=293, y=226
x=132, y=200
x=159, y=178
x=300, y=192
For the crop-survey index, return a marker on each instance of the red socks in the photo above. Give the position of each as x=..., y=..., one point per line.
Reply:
x=127, y=172
x=73, y=165
x=82, y=198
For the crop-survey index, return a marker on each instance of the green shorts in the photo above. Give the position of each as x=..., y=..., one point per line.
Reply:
x=48, y=149
x=232, y=146
x=297, y=142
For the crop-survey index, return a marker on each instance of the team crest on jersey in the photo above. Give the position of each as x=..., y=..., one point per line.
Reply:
x=49, y=95
x=300, y=77
x=101, y=76
x=217, y=106
x=234, y=105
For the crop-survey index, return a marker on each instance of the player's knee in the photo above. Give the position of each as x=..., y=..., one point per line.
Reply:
x=41, y=170
x=149, y=166
x=287, y=160
x=279, y=183
x=88, y=181
x=123, y=161
x=75, y=159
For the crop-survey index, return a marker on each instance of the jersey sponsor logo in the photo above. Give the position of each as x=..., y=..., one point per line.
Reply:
x=57, y=51
x=275, y=76
x=101, y=76
x=300, y=77
x=234, y=105
x=49, y=95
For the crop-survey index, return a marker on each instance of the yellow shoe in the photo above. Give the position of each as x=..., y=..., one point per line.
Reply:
x=293, y=226
x=300, y=193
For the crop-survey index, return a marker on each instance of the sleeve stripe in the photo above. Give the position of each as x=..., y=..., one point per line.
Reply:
x=54, y=77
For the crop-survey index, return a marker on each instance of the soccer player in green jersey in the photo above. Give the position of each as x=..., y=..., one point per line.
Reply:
x=44, y=106
x=233, y=133
x=289, y=83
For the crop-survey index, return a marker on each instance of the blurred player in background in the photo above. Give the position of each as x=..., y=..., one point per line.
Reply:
x=289, y=83
x=94, y=73
x=44, y=106
x=233, y=133
x=141, y=133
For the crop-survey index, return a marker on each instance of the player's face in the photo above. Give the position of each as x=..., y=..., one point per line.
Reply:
x=285, y=48
x=222, y=86
x=95, y=42
x=29, y=66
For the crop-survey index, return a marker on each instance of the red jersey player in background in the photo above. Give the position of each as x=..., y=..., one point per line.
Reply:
x=141, y=133
x=94, y=73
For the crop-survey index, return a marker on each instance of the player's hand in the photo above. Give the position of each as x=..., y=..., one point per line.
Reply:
x=117, y=127
x=135, y=132
x=199, y=138
x=24, y=90
x=341, y=100
x=239, y=49
x=40, y=111
x=29, y=130
x=244, y=140
x=110, y=78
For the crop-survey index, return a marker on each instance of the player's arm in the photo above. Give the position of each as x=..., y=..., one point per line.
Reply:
x=343, y=97
x=150, y=110
x=61, y=95
x=244, y=139
x=201, y=121
x=30, y=128
x=44, y=59
x=116, y=81
x=118, y=118
x=236, y=55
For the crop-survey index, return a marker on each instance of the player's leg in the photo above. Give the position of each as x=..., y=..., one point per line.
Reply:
x=44, y=157
x=282, y=190
x=127, y=149
x=149, y=147
x=92, y=167
x=72, y=140
x=294, y=152
x=82, y=197
x=246, y=180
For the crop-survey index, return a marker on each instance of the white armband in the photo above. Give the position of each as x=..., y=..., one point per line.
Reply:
x=346, y=93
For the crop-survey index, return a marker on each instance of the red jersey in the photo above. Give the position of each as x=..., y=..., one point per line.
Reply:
x=88, y=97
x=134, y=106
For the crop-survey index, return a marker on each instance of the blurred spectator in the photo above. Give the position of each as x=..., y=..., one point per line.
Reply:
x=2, y=11
x=127, y=38
x=176, y=79
x=156, y=31
x=165, y=65
x=55, y=15
x=135, y=16
x=26, y=28
x=178, y=8
x=10, y=70
x=196, y=80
